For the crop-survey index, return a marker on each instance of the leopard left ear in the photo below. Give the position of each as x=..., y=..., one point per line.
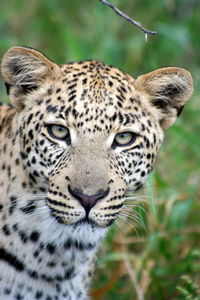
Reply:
x=167, y=90
x=25, y=69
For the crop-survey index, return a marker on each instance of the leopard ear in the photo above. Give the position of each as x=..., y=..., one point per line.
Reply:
x=25, y=69
x=167, y=90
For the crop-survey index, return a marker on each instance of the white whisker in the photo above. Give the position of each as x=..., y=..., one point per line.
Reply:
x=136, y=218
x=135, y=208
x=123, y=218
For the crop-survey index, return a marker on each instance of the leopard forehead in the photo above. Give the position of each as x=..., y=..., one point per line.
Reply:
x=92, y=82
x=96, y=83
x=89, y=96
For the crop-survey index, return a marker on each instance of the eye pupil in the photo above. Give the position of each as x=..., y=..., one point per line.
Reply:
x=123, y=135
x=59, y=128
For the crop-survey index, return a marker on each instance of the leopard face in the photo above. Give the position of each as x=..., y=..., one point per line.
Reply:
x=87, y=132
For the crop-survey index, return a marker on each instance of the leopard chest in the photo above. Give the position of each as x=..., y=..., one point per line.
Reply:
x=40, y=258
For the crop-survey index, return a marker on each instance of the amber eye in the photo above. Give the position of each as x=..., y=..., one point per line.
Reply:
x=125, y=138
x=59, y=132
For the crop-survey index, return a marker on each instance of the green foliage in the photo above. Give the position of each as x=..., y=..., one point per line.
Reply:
x=134, y=264
x=190, y=291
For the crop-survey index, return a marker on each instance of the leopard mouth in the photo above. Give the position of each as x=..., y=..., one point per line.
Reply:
x=86, y=220
x=93, y=223
x=62, y=218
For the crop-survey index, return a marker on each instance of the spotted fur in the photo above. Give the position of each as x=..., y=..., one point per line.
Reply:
x=58, y=197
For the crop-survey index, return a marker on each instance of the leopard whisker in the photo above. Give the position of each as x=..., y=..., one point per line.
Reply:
x=129, y=206
x=132, y=199
x=125, y=219
x=134, y=216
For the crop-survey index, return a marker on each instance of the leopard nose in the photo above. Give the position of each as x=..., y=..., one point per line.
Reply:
x=85, y=200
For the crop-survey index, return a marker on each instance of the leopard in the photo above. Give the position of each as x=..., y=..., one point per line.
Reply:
x=75, y=140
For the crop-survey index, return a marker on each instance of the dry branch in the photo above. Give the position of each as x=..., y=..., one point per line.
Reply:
x=123, y=15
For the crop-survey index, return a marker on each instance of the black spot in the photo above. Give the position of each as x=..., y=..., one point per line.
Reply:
x=138, y=185
x=15, y=227
x=36, y=253
x=19, y=297
x=49, y=91
x=68, y=244
x=32, y=178
x=6, y=230
x=23, y=155
x=17, y=161
x=38, y=294
x=29, y=209
x=154, y=138
x=13, y=201
x=29, y=118
x=33, y=274
x=7, y=291
x=69, y=273
x=28, y=149
x=51, y=108
x=23, y=236
x=71, y=98
x=24, y=184
x=58, y=288
x=37, y=126
x=147, y=143
x=30, y=134
x=42, y=142
x=34, y=237
x=51, y=248
x=46, y=278
x=33, y=160
x=11, y=259
x=58, y=278
x=51, y=264
x=35, y=173
x=84, y=81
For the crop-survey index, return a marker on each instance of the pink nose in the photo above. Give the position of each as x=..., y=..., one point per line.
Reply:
x=85, y=200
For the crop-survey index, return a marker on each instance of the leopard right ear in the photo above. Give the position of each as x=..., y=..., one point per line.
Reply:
x=166, y=90
x=25, y=69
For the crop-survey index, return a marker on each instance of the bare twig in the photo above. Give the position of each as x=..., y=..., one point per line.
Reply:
x=121, y=14
x=132, y=274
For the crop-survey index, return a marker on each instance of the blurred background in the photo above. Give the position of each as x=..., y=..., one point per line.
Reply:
x=157, y=255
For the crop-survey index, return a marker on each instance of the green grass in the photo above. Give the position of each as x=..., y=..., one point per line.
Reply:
x=161, y=262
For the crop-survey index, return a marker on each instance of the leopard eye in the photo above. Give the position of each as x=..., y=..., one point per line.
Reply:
x=125, y=138
x=59, y=132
